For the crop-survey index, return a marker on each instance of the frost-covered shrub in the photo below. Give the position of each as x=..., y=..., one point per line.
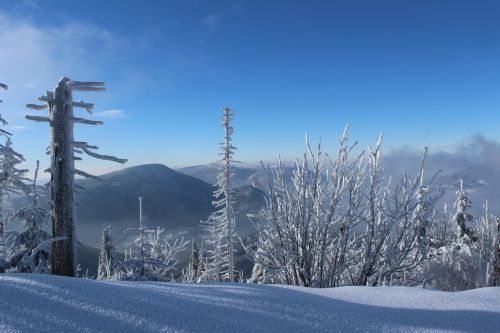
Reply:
x=455, y=268
x=338, y=220
x=150, y=257
x=258, y=274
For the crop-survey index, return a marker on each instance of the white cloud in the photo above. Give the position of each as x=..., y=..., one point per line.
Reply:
x=111, y=114
x=34, y=57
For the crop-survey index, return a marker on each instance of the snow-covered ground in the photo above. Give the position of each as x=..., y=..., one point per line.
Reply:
x=41, y=303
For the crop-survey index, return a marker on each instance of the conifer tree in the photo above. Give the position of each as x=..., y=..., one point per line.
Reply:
x=107, y=258
x=494, y=278
x=11, y=181
x=34, y=219
x=62, y=151
x=2, y=223
x=193, y=272
x=220, y=226
x=465, y=235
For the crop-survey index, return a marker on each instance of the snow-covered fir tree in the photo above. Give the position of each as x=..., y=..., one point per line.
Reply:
x=220, y=234
x=465, y=234
x=107, y=258
x=494, y=276
x=461, y=264
x=62, y=150
x=34, y=219
x=195, y=264
x=11, y=181
x=3, y=262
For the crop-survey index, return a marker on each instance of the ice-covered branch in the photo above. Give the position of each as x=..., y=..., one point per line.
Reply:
x=87, y=86
x=49, y=97
x=31, y=258
x=96, y=178
x=37, y=106
x=85, y=147
x=4, y=132
x=87, y=106
x=138, y=229
x=86, y=121
x=38, y=118
x=83, y=144
x=104, y=157
x=88, y=175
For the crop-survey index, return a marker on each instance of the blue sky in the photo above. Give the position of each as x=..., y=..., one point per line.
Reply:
x=424, y=72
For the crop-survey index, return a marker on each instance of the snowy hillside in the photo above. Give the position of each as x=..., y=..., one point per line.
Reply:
x=44, y=303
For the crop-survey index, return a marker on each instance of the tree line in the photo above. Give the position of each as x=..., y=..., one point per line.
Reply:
x=334, y=220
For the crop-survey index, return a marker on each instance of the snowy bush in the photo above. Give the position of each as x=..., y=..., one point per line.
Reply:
x=150, y=258
x=456, y=268
x=338, y=221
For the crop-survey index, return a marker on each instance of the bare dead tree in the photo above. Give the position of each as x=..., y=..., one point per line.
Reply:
x=62, y=151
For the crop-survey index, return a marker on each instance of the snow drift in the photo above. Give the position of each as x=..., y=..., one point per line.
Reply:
x=43, y=303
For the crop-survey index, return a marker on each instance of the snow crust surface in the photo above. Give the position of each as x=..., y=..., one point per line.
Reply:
x=43, y=303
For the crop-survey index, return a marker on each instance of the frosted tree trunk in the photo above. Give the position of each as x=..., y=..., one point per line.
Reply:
x=63, y=177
